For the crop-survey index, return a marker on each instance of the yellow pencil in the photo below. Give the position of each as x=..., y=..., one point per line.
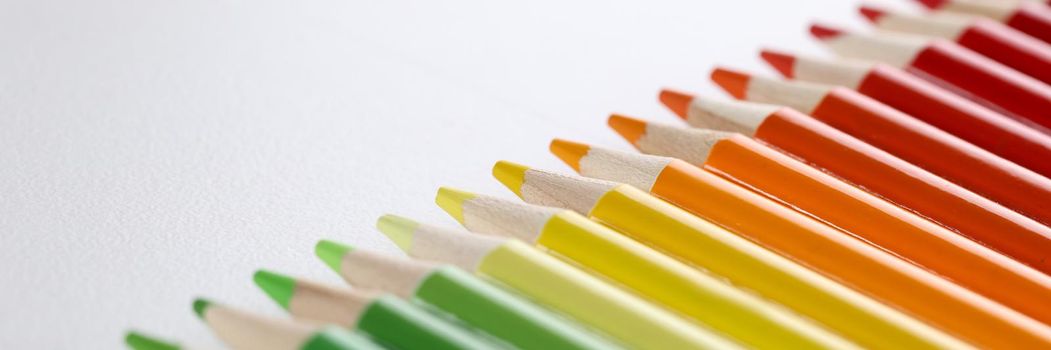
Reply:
x=553, y=283
x=696, y=241
x=667, y=281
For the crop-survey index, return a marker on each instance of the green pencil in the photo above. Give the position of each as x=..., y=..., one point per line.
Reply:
x=244, y=330
x=139, y=341
x=385, y=317
x=458, y=293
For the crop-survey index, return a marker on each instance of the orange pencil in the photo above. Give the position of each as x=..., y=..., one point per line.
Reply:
x=863, y=267
x=900, y=134
x=867, y=166
x=876, y=221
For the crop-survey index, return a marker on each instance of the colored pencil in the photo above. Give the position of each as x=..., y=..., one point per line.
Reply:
x=558, y=286
x=744, y=263
x=1031, y=18
x=899, y=134
x=872, y=219
x=871, y=270
x=139, y=341
x=965, y=72
x=386, y=318
x=709, y=300
x=927, y=102
x=864, y=165
x=242, y=330
x=987, y=37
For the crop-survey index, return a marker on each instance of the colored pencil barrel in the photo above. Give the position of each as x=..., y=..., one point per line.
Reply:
x=551, y=282
x=384, y=317
x=1030, y=18
x=664, y=280
x=696, y=241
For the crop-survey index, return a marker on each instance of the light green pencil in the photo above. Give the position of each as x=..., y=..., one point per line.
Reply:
x=248, y=331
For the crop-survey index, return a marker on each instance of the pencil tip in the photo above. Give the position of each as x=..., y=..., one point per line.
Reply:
x=784, y=63
x=871, y=13
x=630, y=129
x=823, y=32
x=451, y=200
x=139, y=341
x=200, y=305
x=277, y=286
x=398, y=229
x=733, y=82
x=512, y=175
x=331, y=253
x=569, y=152
x=932, y=4
x=676, y=101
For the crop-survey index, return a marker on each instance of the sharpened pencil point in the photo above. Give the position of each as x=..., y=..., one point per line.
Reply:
x=784, y=63
x=200, y=305
x=399, y=229
x=733, y=82
x=279, y=287
x=630, y=129
x=512, y=175
x=331, y=253
x=871, y=13
x=139, y=341
x=933, y=4
x=676, y=101
x=451, y=200
x=569, y=152
x=823, y=32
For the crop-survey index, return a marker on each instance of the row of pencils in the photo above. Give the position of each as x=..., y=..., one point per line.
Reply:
x=894, y=198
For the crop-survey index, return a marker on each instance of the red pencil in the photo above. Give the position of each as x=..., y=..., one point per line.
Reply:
x=1029, y=17
x=899, y=134
x=987, y=37
x=965, y=72
x=925, y=101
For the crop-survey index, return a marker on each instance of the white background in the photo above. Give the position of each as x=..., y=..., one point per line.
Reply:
x=154, y=151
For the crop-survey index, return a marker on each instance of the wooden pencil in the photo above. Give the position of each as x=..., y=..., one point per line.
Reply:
x=707, y=299
x=899, y=134
x=857, y=162
x=992, y=39
x=744, y=263
x=1029, y=17
x=544, y=280
x=386, y=318
x=839, y=256
x=927, y=102
x=242, y=330
x=872, y=219
x=139, y=341
x=966, y=72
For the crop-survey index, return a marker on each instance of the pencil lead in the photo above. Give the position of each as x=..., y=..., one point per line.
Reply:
x=932, y=4
x=630, y=129
x=733, y=82
x=676, y=101
x=512, y=175
x=200, y=305
x=451, y=200
x=277, y=286
x=823, y=32
x=139, y=341
x=398, y=229
x=871, y=13
x=784, y=63
x=569, y=152
x=331, y=253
